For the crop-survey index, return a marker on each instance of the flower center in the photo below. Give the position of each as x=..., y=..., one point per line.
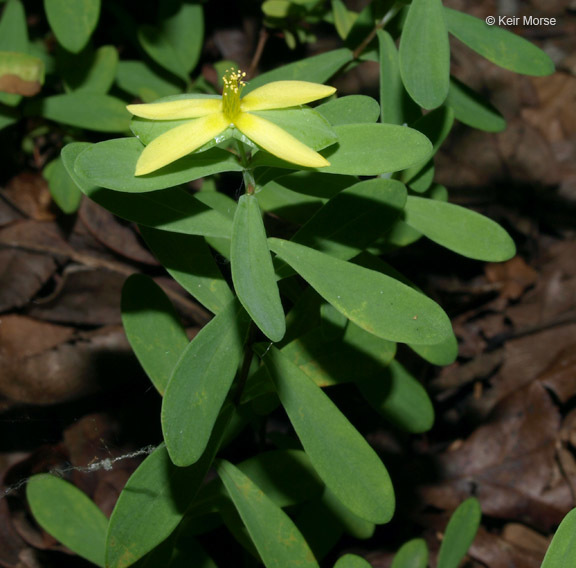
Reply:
x=233, y=85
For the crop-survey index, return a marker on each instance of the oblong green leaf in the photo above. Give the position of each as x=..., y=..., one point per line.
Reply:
x=460, y=533
x=366, y=149
x=377, y=303
x=68, y=515
x=351, y=561
x=444, y=353
x=200, y=383
x=14, y=38
x=72, y=21
x=562, y=549
x=176, y=41
x=275, y=536
x=154, y=501
x=498, y=45
x=152, y=328
x=93, y=111
x=349, y=467
x=91, y=71
x=352, y=109
x=188, y=259
x=400, y=398
x=471, y=109
x=412, y=554
x=317, y=69
x=112, y=164
x=63, y=189
x=170, y=210
x=425, y=53
x=138, y=79
x=354, y=218
x=253, y=272
x=463, y=231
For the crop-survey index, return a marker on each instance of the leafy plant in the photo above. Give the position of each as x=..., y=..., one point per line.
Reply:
x=314, y=306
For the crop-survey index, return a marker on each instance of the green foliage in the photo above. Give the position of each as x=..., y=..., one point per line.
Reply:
x=562, y=549
x=292, y=270
x=69, y=515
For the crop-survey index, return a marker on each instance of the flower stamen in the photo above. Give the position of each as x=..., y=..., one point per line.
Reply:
x=233, y=85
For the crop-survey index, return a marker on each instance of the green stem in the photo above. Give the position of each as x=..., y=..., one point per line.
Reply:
x=245, y=369
x=247, y=173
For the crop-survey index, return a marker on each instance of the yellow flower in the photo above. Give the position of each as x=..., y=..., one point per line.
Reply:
x=211, y=116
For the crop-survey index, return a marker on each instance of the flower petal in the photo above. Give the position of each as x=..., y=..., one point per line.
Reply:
x=185, y=108
x=178, y=142
x=278, y=142
x=283, y=94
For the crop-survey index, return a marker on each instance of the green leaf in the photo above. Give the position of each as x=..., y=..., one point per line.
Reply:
x=176, y=42
x=343, y=459
x=305, y=124
x=425, y=53
x=170, y=210
x=93, y=111
x=357, y=355
x=412, y=554
x=275, y=536
x=63, y=189
x=318, y=69
x=68, y=515
x=351, y=561
x=460, y=533
x=14, y=38
x=562, y=549
x=436, y=126
x=8, y=116
x=400, y=398
x=200, y=383
x=499, y=46
x=297, y=196
x=352, y=109
x=354, y=218
x=377, y=303
x=396, y=107
x=253, y=272
x=276, y=8
x=463, y=231
x=343, y=18
x=20, y=74
x=89, y=71
x=72, y=21
x=366, y=149
x=111, y=165
x=13, y=28
x=138, y=79
x=152, y=328
x=444, y=353
x=154, y=501
x=472, y=109
x=189, y=261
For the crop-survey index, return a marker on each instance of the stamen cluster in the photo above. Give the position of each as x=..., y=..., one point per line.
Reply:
x=233, y=85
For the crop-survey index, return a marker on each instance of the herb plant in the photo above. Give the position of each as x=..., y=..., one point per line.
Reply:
x=304, y=304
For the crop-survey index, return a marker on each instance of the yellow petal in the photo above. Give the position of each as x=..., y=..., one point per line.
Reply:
x=283, y=94
x=278, y=142
x=185, y=108
x=178, y=142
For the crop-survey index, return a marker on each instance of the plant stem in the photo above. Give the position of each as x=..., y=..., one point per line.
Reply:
x=245, y=368
x=381, y=24
x=247, y=173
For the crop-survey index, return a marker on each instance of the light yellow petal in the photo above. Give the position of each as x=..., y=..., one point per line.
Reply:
x=283, y=94
x=178, y=142
x=185, y=108
x=278, y=142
